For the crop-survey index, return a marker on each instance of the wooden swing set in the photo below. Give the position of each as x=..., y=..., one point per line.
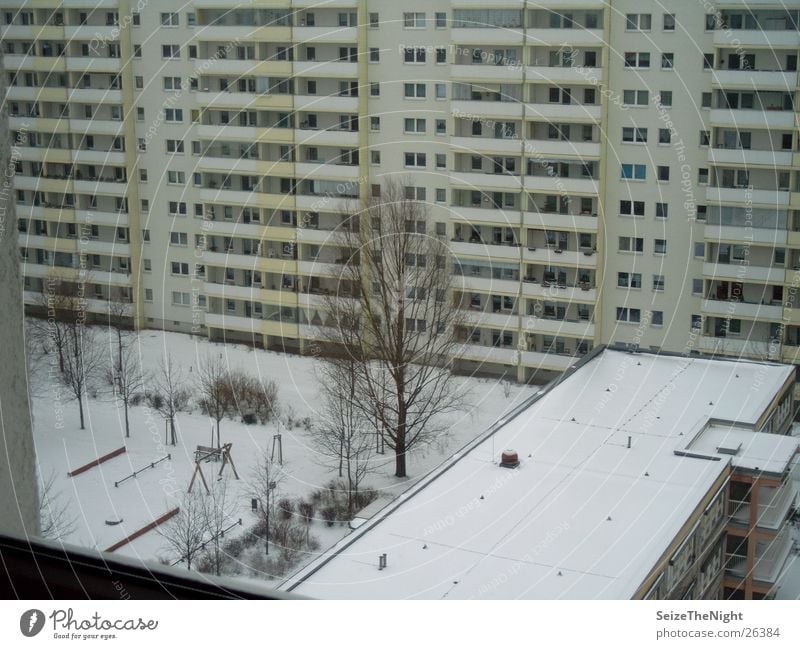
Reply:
x=206, y=454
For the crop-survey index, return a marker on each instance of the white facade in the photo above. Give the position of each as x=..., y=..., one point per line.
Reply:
x=196, y=164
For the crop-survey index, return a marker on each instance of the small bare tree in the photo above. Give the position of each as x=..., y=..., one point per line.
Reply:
x=217, y=507
x=185, y=532
x=344, y=435
x=126, y=375
x=55, y=520
x=396, y=318
x=214, y=387
x=264, y=485
x=168, y=395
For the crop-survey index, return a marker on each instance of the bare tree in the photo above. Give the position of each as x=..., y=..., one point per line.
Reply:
x=126, y=375
x=168, y=395
x=185, y=532
x=84, y=360
x=217, y=507
x=250, y=397
x=344, y=435
x=264, y=485
x=395, y=317
x=306, y=511
x=55, y=520
x=214, y=386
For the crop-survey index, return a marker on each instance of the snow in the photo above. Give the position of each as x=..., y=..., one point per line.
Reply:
x=765, y=452
x=91, y=497
x=598, y=497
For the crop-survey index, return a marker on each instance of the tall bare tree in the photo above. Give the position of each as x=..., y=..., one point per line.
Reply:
x=126, y=375
x=169, y=394
x=185, y=532
x=214, y=387
x=397, y=320
x=84, y=361
x=344, y=436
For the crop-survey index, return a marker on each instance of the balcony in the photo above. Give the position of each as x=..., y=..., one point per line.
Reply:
x=316, y=35
x=94, y=64
x=770, y=558
x=747, y=310
x=575, y=37
x=747, y=196
x=775, y=118
x=326, y=103
x=337, y=69
x=737, y=347
x=243, y=67
x=551, y=327
x=750, y=157
x=754, y=79
x=744, y=234
x=773, y=508
x=744, y=272
x=231, y=99
x=770, y=38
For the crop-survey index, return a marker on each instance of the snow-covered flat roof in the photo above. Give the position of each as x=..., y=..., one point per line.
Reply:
x=764, y=452
x=585, y=515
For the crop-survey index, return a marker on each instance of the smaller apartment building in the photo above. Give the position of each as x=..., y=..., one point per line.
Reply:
x=640, y=477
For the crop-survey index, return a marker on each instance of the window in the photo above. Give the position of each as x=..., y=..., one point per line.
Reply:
x=416, y=160
x=660, y=247
x=662, y=173
x=441, y=195
x=374, y=123
x=711, y=22
x=414, y=55
x=702, y=176
x=633, y=171
x=414, y=90
x=708, y=61
x=178, y=239
x=173, y=115
x=172, y=83
x=441, y=20
x=701, y=212
x=624, y=314
x=631, y=208
x=658, y=282
x=169, y=19
x=441, y=91
x=695, y=321
x=441, y=55
x=705, y=138
x=179, y=268
x=374, y=89
x=146, y=235
x=637, y=59
x=374, y=20
x=697, y=286
x=441, y=127
x=700, y=249
x=180, y=298
x=629, y=280
x=191, y=19
x=705, y=100
x=136, y=19
x=631, y=134
x=656, y=318
x=374, y=55
x=667, y=60
x=414, y=193
x=176, y=178
x=631, y=244
x=662, y=210
x=638, y=22
x=665, y=98
x=375, y=157
x=414, y=125
x=148, y=295
x=441, y=160
x=669, y=22
x=664, y=136
x=177, y=208
x=170, y=51
x=635, y=97
x=414, y=20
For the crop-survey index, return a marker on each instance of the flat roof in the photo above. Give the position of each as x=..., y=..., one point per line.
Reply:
x=584, y=516
x=764, y=452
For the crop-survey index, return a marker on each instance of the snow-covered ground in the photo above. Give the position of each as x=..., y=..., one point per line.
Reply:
x=91, y=498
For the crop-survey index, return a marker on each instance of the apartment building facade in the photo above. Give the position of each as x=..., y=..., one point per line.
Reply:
x=602, y=175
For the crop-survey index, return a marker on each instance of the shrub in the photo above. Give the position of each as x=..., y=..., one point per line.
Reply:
x=285, y=508
x=329, y=516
